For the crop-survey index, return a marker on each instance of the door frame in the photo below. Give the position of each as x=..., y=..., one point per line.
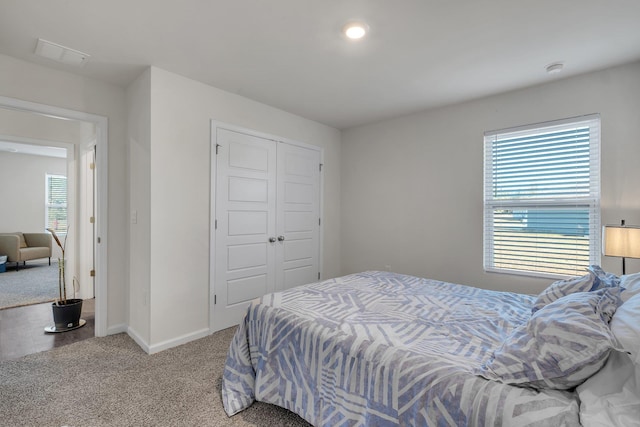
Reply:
x=215, y=124
x=101, y=123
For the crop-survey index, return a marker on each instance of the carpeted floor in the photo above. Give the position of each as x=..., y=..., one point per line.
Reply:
x=34, y=283
x=112, y=382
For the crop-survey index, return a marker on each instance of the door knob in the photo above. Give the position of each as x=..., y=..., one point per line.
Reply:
x=280, y=238
x=272, y=239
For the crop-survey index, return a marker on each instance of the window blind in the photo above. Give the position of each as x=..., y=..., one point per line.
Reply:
x=56, y=203
x=542, y=198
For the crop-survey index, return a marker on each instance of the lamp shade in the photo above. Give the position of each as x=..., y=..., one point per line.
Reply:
x=621, y=241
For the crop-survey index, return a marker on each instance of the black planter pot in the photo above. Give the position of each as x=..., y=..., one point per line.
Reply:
x=67, y=316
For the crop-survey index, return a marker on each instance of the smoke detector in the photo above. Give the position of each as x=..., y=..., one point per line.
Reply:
x=554, y=68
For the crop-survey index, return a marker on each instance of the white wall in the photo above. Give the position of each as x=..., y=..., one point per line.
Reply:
x=139, y=128
x=35, y=83
x=412, y=194
x=23, y=191
x=179, y=159
x=33, y=126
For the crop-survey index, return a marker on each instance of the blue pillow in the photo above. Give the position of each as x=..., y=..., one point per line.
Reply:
x=561, y=345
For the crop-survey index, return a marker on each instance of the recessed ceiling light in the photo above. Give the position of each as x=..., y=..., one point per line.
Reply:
x=554, y=68
x=355, y=30
x=60, y=53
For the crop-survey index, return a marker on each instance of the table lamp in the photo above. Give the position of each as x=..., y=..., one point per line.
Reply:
x=622, y=241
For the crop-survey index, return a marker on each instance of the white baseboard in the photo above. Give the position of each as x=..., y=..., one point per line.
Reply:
x=138, y=339
x=155, y=348
x=117, y=329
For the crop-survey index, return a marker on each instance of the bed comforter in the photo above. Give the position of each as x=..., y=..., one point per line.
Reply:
x=379, y=348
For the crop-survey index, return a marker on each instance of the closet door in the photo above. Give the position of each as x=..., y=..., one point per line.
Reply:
x=298, y=216
x=265, y=226
x=245, y=221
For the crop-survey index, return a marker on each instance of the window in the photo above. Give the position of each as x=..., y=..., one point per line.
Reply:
x=542, y=198
x=56, y=203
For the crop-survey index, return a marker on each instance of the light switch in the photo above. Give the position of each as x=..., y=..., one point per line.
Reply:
x=134, y=216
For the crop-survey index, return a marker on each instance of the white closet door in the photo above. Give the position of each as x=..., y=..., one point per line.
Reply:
x=298, y=216
x=245, y=213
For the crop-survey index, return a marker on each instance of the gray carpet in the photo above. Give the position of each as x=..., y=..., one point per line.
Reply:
x=34, y=283
x=112, y=382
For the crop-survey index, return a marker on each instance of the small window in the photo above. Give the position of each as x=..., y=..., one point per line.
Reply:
x=56, y=203
x=542, y=198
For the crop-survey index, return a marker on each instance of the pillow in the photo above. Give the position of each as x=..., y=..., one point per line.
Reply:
x=564, y=287
x=631, y=286
x=23, y=243
x=603, y=279
x=611, y=397
x=626, y=327
x=596, y=279
x=560, y=346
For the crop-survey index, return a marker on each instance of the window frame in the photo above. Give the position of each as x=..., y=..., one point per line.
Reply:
x=49, y=205
x=592, y=201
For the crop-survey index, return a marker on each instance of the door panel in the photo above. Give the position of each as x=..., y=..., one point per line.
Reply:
x=245, y=210
x=298, y=275
x=299, y=222
x=248, y=189
x=298, y=207
x=267, y=208
x=246, y=256
x=248, y=223
x=299, y=249
x=247, y=289
x=298, y=193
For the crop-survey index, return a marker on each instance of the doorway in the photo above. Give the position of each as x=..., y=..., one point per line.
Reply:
x=99, y=225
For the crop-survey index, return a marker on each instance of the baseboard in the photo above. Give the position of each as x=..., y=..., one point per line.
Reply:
x=138, y=339
x=116, y=329
x=155, y=348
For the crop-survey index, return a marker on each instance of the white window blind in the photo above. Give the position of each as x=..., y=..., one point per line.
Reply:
x=56, y=203
x=542, y=198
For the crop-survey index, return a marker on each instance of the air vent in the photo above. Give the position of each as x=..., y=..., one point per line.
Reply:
x=61, y=53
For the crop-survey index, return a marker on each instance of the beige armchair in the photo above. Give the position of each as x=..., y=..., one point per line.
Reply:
x=22, y=247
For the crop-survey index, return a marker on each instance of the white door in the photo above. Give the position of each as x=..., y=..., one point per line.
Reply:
x=298, y=219
x=245, y=213
x=86, y=223
x=266, y=226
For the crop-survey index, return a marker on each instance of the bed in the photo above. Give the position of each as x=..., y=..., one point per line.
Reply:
x=379, y=348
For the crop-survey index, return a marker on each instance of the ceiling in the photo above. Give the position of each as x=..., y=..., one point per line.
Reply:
x=290, y=54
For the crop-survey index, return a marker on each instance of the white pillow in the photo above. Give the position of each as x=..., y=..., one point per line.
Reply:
x=625, y=325
x=631, y=285
x=611, y=396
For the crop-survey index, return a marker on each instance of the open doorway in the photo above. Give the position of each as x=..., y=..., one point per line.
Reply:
x=37, y=178
x=87, y=242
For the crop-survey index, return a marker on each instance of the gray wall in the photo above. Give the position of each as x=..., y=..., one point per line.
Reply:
x=412, y=194
x=23, y=192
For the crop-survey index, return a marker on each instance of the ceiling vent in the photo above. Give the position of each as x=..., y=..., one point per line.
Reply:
x=61, y=53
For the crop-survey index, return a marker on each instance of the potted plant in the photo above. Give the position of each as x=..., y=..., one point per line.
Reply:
x=66, y=312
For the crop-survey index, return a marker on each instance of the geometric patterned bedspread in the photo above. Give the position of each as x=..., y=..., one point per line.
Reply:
x=380, y=348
